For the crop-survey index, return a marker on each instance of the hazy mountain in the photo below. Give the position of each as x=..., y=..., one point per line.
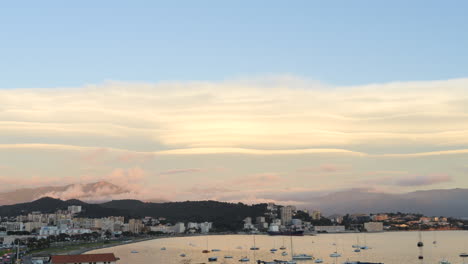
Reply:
x=449, y=202
x=97, y=191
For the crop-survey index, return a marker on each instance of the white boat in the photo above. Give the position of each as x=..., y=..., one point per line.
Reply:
x=134, y=251
x=163, y=248
x=444, y=261
x=228, y=257
x=318, y=261
x=216, y=250
x=284, y=254
x=335, y=255
x=302, y=257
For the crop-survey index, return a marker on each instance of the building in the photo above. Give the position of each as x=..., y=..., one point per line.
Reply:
x=373, y=226
x=12, y=226
x=286, y=214
x=135, y=225
x=33, y=226
x=260, y=219
x=74, y=209
x=106, y=258
x=329, y=229
x=205, y=227
x=296, y=222
x=380, y=217
x=316, y=215
x=179, y=228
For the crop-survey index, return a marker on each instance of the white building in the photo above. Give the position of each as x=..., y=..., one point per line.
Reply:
x=179, y=228
x=49, y=231
x=329, y=229
x=205, y=227
x=13, y=226
x=296, y=222
x=286, y=213
x=161, y=228
x=74, y=209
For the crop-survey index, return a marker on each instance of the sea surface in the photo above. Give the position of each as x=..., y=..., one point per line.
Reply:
x=388, y=248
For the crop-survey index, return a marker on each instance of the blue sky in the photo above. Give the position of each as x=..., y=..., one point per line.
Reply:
x=58, y=43
x=261, y=97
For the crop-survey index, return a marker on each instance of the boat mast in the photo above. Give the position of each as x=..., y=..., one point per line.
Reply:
x=420, y=246
x=292, y=253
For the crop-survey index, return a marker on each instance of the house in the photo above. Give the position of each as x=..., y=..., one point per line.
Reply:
x=106, y=258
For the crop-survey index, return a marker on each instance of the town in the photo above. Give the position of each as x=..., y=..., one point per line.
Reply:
x=37, y=232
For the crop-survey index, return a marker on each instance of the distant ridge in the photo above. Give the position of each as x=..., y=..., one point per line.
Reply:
x=96, y=191
x=438, y=202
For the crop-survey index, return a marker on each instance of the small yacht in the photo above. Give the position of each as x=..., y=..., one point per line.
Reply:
x=463, y=255
x=206, y=251
x=302, y=257
x=282, y=247
x=183, y=255
x=244, y=259
x=444, y=261
x=335, y=255
x=318, y=260
x=357, y=250
x=228, y=257
x=254, y=248
x=273, y=250
x=216, y=250
x=284, y=254
x=134, y=251
x=212, y=259
x=163, y=248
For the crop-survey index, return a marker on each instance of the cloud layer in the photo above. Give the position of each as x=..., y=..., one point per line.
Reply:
x=296, y=134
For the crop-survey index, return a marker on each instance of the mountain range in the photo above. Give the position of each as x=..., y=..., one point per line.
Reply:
x=438, y=202
x=92, y=192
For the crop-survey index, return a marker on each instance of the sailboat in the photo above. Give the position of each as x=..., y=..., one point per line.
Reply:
x=335, y=254
x=254, y=246
x=299, y=256
x=206, y=250
x=356, y=247
x=273, y=250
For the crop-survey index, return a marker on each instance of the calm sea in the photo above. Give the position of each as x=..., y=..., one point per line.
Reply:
x=389, y=248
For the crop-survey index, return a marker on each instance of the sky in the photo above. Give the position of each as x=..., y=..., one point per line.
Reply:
x=234, y=101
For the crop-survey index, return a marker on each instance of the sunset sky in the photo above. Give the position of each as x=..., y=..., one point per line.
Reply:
x=234, y=101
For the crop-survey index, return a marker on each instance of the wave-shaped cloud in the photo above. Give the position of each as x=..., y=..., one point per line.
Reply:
x=240, y=115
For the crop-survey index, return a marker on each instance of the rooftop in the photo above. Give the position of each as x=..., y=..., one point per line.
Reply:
x=85, y=258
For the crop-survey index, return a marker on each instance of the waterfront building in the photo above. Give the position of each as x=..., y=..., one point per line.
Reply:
x=179, y=228
x=373, y=226
x=329, y=229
